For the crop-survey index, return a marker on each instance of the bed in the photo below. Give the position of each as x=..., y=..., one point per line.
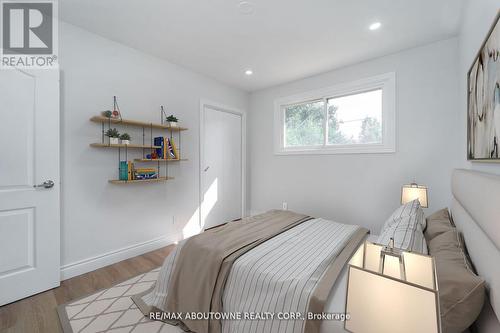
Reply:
x=284, y=272
x=476, y=216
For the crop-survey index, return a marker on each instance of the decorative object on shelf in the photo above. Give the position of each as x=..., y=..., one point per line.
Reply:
x=162, y=114
x=483, y=100
x=113, y=135
x=125, y=139
x=107, y=113
x=401, y=285
x=115, y=114
x=116, y=109
x=414, y=191
x=172, y=120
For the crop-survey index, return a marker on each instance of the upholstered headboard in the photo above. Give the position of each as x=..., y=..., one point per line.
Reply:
x=475, y=209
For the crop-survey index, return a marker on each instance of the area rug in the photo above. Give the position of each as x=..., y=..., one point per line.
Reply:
x=112, y=310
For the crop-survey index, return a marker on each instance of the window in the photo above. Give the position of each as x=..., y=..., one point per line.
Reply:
x=358, y=117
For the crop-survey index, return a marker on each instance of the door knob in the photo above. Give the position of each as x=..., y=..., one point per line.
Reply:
x=46, y=184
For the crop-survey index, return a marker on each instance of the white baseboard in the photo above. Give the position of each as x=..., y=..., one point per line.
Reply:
x=91, y=264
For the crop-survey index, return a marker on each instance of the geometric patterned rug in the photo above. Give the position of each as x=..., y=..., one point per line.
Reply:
x=112, y=310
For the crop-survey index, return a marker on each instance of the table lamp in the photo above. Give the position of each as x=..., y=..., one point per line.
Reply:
x=391, y=291
x=414, y=191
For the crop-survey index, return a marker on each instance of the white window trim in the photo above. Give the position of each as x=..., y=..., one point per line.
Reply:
x=386, y=82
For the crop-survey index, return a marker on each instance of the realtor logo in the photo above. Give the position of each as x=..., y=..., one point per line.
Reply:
x=27, y=28
x=28, y=33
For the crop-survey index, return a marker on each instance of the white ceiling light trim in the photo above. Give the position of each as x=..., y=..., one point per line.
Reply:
x=246, y=7
x=248, y=72
x=375, y=26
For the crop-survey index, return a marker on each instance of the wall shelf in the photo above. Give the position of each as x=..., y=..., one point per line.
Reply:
x=101, y=119
x=160, y=160
x=148, y=148
x=106, y=145
x=136, y=181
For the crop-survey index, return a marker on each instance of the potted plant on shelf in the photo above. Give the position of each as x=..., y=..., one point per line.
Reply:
x=125, y=138
x=172, y=121
x=107, y=114
x=113, y=136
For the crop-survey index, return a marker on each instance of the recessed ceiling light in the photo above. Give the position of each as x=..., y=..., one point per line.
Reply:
x=375, y=26
x=246, y=7
x=248, y=72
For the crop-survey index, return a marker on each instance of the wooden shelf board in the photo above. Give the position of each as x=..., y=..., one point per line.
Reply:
x=136, y=181
x=105, y=145
x=101, y=119
x=159, y=160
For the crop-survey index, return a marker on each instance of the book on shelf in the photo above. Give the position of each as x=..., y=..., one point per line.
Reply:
x=167, y=150
x=123, y=170
x=142, y=176
x=126, y=170
x=145, y=173
x=145, y=170
x=130, y=170
x=160, y=141
x=174, y=148
x=170, y=149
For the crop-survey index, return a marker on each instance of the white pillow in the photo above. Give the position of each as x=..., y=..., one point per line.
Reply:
x=408, y=209
x=407, y=234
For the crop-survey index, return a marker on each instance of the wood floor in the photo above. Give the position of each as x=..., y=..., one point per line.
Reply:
x=38, y=313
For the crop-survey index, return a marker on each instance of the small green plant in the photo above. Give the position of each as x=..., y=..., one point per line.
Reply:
x=172, y=118
x=107, y=113
x=112, y=133
x=125, y=136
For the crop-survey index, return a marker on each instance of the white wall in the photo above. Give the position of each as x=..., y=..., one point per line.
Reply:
x=364, y=188
x=100, y=219
x=478, y=17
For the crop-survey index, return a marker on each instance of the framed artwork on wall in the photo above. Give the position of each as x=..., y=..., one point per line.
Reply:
x=483, y=100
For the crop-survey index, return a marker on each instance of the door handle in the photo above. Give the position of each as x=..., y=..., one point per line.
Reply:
x=46, y=184
x=206, y=169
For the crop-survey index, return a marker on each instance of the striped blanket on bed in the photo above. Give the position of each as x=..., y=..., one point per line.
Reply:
x=290, y=273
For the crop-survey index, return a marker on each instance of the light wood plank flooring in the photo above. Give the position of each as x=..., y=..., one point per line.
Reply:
x=37, y=314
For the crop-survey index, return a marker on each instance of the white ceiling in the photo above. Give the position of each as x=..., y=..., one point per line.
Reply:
x=281, y=41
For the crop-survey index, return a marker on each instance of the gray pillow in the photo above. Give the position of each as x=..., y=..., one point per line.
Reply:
x=438, y=223
x=461, y=292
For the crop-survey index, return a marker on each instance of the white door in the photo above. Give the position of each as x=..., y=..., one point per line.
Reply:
x=29, y=155
x=222, y=153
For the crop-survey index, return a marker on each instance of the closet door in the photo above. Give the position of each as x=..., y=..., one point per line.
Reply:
x=222, y=146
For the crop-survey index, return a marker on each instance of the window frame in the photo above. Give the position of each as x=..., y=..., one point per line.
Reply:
x=386, y=82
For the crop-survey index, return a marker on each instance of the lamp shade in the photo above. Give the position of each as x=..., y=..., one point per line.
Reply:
x=386, y=296
x=413, y=191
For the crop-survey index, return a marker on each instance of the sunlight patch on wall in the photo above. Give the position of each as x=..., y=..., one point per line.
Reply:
x=209, y=200
x=210, y=197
